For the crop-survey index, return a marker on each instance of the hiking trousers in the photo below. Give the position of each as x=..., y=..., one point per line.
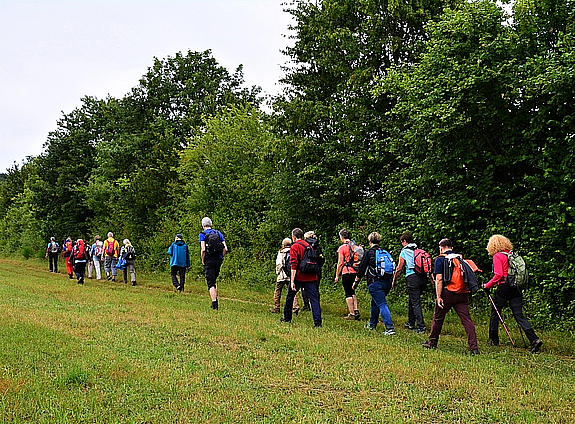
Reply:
x=506, y=295
x=415, y=285
x=312, y=289
x=460, y=303
x=278, y=295
x=53, y=258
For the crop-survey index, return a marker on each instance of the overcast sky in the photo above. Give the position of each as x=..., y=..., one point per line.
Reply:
x=52, y=53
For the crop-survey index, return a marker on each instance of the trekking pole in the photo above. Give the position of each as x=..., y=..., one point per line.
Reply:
x=521, y=332
x=501, y=319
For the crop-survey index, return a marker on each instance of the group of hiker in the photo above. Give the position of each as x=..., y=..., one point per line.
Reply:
x=80, y=256
x=299, y=263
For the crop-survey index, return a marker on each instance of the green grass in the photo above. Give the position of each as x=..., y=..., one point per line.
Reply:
x=108, y=352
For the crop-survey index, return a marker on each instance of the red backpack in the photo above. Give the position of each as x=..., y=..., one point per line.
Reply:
x=422, y=262
x=80, y=250
x=110, y=247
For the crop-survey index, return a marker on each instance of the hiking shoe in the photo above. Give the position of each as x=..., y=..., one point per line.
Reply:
x=535, y=345
x=274, y=310
x=349, y=317
x=306, y=308
x=420, y=330
x=317, y=325
x=409, y=326
x=356, y=313
x=428, y=345
x=109, y=278
x=492, y=343
x=368, y=326
x=214, y=305
x=284, y=320
x=389, y=332
x=474, y=351
x=134, y=283
x=295, y=311
x=114, y=279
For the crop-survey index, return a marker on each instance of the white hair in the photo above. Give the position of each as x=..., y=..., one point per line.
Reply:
x=110, y=234
x=206, y=222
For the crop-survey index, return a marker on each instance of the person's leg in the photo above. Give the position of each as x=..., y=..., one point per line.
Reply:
x=98, y=269
x=350, y=298
x=56, y=262
x=107, y=267
x=312, y=289
x=277, y=295
x=51, y=262
x=114, y=269
x=125, y=274
x=500, y=303
x=211, y=270
x=305, y=299
x=289, y=303
x=90, y=266
x=182, y=272
x=174, y=274
x=516, y=306
x=438, y=319
x=132, y=266
x=377, y=291
x=80, y=268
x=461, y=307
x=373, y=314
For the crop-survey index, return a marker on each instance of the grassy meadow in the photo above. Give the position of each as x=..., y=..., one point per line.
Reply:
x=112, y=353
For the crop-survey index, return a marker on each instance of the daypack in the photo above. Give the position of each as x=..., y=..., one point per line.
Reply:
x=214, y=244
x=286, y=266
x=110, y=247
x=517, y=275
x=458, y=275
x=356, y=253
x=384, y=265
x=314, y=243
x=422, y=262
x=80, y=250
x=54, y=247
x=129, y=253
x=99, y=248
x=309, y=263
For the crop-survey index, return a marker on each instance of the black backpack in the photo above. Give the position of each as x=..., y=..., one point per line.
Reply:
x=286, y=267
x=309, y=263
x=214, y=244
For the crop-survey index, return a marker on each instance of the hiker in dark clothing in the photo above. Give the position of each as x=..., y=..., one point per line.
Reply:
x=52, y=252
x=179, y=262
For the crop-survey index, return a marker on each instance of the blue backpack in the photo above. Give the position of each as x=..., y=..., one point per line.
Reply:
x=384, y=265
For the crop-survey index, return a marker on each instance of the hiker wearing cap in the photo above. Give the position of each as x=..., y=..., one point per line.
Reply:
x=179, y=262
x=213, y=249
x=449, y=296
x=52, y=252
x=128, y=254
x=500, y=248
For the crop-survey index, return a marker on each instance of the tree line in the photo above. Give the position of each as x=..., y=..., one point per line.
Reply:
x=446, y=118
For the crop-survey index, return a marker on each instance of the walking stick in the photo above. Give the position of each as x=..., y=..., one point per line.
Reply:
x=501, y=319
x=521, y=332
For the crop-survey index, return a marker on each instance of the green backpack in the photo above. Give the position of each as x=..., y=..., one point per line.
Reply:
x=517, y=274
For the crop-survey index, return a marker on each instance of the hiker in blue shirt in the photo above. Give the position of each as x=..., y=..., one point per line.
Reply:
x=213, y=250
x=179, y=262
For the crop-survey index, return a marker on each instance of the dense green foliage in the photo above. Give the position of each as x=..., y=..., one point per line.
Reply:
x=444, y=118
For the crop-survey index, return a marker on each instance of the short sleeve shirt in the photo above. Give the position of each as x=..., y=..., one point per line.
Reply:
x=407, y=255
x=202, y=237
x=344, y=250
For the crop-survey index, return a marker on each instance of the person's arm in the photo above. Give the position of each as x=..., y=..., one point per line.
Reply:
x=225, y=249
x=400, y=264
x=497, y=272
x=439, y=289
x=203, y=252
x=187, y=256
x=340, y=261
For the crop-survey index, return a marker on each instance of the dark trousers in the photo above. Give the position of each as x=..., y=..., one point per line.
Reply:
x=53, y=258
x=511, y=296
x=312, y=290
x=80, y=270
x=212, y=270
x=415, y=286
x=460, y=303
x=181, y=271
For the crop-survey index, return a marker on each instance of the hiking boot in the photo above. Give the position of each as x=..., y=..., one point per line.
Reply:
x=215, y=305
x=306, y=308
x=356, y=313
x=274, y=310
x=474, y=352
x=428, y=345
x=295, y=311
x=493, y=342
x=389, y=332
x=535, y=345
x=114, y=279
x=350, y=317
x=409, y=326
x=317, y=325
x=420, y=330
x=109, y=278
x=134, y=283
x=284, y=320
x=369, y=327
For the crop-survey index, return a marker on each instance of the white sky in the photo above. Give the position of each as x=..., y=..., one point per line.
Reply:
x=54, y=52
